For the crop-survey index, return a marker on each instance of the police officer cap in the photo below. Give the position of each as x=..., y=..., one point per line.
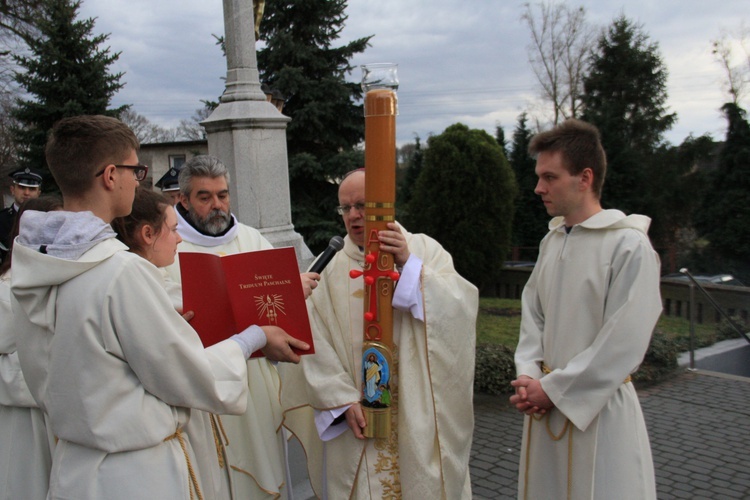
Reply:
x=169, y=181
x=26, y=177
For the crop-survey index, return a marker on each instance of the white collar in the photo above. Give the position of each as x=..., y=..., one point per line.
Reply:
x=191, y=235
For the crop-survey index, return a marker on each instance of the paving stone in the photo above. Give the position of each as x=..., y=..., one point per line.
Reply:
x=701, y=447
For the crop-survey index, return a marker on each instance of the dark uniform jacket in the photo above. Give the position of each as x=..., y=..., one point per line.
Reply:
x=7, y=218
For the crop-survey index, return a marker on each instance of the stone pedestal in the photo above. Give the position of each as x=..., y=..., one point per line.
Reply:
x=248, y=134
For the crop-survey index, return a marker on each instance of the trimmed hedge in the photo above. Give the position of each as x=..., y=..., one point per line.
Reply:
x=495, y=367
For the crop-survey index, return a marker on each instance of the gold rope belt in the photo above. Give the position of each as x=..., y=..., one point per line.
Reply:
x=193, y=484
x=547, y=370
x=220, y=437
x=567, y=429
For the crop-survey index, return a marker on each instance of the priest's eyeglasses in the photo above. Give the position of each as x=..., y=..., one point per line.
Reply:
x=140, y=171
x=345, y=209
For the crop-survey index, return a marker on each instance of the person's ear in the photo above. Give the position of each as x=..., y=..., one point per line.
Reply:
x=587, y=179
x=184, y=202
x=147, y=234
x=108, y=176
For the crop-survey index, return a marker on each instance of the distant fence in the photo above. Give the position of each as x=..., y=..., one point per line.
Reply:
x=675, y=296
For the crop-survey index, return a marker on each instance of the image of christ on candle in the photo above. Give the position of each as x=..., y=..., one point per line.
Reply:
x=376, y=376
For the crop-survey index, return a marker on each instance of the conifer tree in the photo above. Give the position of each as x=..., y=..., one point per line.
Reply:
x=530, y=222
x=300, y=60
x=405, y=188
x=66, y=74
x=464, y=198
x=625, y=96
x=724, y=217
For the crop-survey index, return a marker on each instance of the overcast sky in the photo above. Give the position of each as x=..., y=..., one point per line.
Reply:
x=460, y=61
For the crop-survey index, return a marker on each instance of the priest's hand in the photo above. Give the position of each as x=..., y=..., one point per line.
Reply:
x=393, y=241
x=530, y=398
x=279, y=345
x=356, y=421
x=309, y=282
x=187, y=316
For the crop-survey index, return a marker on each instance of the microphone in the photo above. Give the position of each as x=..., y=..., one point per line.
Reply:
x=336, y=244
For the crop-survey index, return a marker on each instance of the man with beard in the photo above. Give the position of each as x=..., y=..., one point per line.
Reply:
x=253, y=465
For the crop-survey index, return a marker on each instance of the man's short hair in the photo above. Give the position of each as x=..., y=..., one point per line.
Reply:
x=201, y=166
x=78, y=146
x=580, y=146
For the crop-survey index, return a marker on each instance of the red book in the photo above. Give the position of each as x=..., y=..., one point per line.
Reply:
x=228, y=293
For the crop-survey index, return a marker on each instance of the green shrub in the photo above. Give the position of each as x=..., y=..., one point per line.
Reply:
x=725, y=331
x=660, y=359
x=494, y=369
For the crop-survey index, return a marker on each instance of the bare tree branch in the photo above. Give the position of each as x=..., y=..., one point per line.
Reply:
x=560, y=43
x=737, y=76
x=191, y=129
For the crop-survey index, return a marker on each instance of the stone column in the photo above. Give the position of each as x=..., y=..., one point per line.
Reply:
x=248, y=135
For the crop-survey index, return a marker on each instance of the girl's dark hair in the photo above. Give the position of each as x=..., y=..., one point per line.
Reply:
x=46, y=203
x=149, y=208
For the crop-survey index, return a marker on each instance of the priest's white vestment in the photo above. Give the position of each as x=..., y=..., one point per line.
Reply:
x=428, y=456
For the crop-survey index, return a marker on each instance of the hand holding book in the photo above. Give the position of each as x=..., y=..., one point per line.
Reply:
x=231, y=292
x=279, y=345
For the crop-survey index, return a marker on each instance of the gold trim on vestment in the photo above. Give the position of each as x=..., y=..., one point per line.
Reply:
x=379, y=204
x=276, y=494
x=375, y=218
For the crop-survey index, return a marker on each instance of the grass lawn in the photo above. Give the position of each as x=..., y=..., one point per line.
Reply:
x=500, y=319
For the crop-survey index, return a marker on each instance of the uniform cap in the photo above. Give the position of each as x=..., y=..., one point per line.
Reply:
x=26, y=177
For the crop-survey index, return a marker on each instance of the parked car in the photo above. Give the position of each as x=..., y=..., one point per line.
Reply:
x=519, y=263
x=714, y=279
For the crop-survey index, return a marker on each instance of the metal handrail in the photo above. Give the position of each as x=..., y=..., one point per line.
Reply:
x=693, y=283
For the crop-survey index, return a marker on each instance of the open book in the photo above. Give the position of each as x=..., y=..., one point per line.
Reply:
x=231, y=292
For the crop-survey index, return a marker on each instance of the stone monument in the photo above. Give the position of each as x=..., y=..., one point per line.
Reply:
x=248, y=134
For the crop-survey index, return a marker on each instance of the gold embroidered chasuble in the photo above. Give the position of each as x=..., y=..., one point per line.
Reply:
x=433, y=414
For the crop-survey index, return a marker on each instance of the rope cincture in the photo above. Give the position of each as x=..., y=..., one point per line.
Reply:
x=567, y=429
x=193, y=484
x=221, y=439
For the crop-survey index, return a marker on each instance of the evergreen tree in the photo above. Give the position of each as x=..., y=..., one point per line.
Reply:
x=66, y=74
x=675, y=188
x=300, y=61
x=625, y=96
x=405, y=189
x=724, y=217
x=464, y=198
x=500, y=137
x=530, y=222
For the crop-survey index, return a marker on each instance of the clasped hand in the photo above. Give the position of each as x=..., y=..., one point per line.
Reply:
x=530, y=398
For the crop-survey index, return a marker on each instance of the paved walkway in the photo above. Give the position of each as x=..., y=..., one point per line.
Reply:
x=698, y=423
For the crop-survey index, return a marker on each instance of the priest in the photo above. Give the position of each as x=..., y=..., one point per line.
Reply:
x=434, y=323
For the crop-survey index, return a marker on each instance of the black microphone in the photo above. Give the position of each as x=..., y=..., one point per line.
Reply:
x=336, y=244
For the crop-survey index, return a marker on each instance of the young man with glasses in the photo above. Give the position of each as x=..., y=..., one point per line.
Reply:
x=434, y=329
x=104, y=353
